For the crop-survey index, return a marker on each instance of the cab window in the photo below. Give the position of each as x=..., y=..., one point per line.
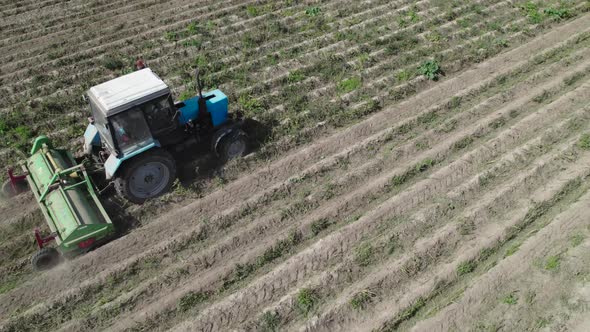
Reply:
x=130, y=130
x=158, y=114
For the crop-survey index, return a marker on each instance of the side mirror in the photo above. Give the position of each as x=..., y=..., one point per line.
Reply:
x=198, y=82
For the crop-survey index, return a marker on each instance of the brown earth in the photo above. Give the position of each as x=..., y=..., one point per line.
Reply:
x=372, y=226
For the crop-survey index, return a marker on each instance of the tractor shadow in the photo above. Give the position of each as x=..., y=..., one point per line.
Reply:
x=117, y=210
x=194, y=163
x=197, y=163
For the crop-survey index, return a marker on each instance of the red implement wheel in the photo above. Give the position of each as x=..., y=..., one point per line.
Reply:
x=45, y=259
x=9, y=191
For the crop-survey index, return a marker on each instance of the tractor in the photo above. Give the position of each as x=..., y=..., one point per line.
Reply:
x=135, y=124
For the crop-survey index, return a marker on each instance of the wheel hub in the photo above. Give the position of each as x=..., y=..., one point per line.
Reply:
x=149, y=180
x=235, y=149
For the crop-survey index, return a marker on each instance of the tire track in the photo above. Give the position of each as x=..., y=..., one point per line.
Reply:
x=95, y=261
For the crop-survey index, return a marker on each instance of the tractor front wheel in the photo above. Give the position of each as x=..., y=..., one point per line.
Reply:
x=233, y=145
x=8, y=191
x=149, y=175
x=45, y=259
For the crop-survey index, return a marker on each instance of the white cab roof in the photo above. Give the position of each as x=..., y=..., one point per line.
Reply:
x=123, y=92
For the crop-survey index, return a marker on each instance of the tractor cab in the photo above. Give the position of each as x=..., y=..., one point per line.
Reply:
x=134, y=118
x=131, y=112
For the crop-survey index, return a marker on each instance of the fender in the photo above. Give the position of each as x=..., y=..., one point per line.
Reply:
x=218, y=136
x=113, y=163
x=91, y=138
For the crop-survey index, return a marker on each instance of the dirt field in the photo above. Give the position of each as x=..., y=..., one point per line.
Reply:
x=376, y=198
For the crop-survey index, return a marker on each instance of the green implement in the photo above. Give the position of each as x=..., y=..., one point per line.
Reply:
x=67, y=199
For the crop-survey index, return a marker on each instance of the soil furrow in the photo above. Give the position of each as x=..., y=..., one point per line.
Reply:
x=315, y=256
x=246, y=235
x=389, y=275
x=469, y=80
x=491, y=284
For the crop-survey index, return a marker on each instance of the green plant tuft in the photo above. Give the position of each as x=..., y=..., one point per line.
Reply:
x=431, y=69
x=295, y=76
x=313, y=11
x=349, y=85
x=191, y=299
x=361, y=299
x=306, y=300
x=112, y=63
x=510, y=299
x=466, y=267
x=319, y=225
x=552, y=263
x=584, y=142
x=270, y=321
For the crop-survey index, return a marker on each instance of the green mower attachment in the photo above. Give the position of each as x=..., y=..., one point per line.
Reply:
x=67, y=199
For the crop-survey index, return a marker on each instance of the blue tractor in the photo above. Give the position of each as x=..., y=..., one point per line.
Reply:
x=135, y=124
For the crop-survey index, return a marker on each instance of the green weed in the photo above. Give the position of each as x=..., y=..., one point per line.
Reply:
x=363, y=254
x=405, y=315
x=295, y=76
x=319, y=225
x=463, y=143
x=192, y=43
x=403, y=75
x=424, y=165
x=392, y=244
x=577, y=239
x=552, y=263
x=186, y=94
x=512, y=249
x=486, y=178
x=427, y=118
x=251, y=105
x=349, y=85
x=191, y=299
x=171, y=36
x=558, y=14
x=240, y=272
x=112, y=63
x=9, y=285
x=431, y=69
x=270, y=321
x=454, y=103
x=510, y=299
x=584, y=142
x=313, y=11
x=280, y=247
x=497, y=123
x=306, y=300
x=542, y=322
x=466, y=267
x=573, y=79
x=252, y=10
x=422, y=145
x=361, y=299
x=192, y=28
x=532, y=12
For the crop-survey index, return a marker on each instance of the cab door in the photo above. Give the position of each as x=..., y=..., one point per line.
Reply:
x=159, y=115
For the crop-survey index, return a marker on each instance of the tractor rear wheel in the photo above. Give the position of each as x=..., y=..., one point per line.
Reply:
x=8, y=191
x=146, y=176
x=45, y=259
x=233, y=145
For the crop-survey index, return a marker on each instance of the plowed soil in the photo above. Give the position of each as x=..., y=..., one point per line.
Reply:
x=374, y=199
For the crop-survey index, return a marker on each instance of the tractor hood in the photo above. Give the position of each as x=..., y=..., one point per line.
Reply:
x=124, y=92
